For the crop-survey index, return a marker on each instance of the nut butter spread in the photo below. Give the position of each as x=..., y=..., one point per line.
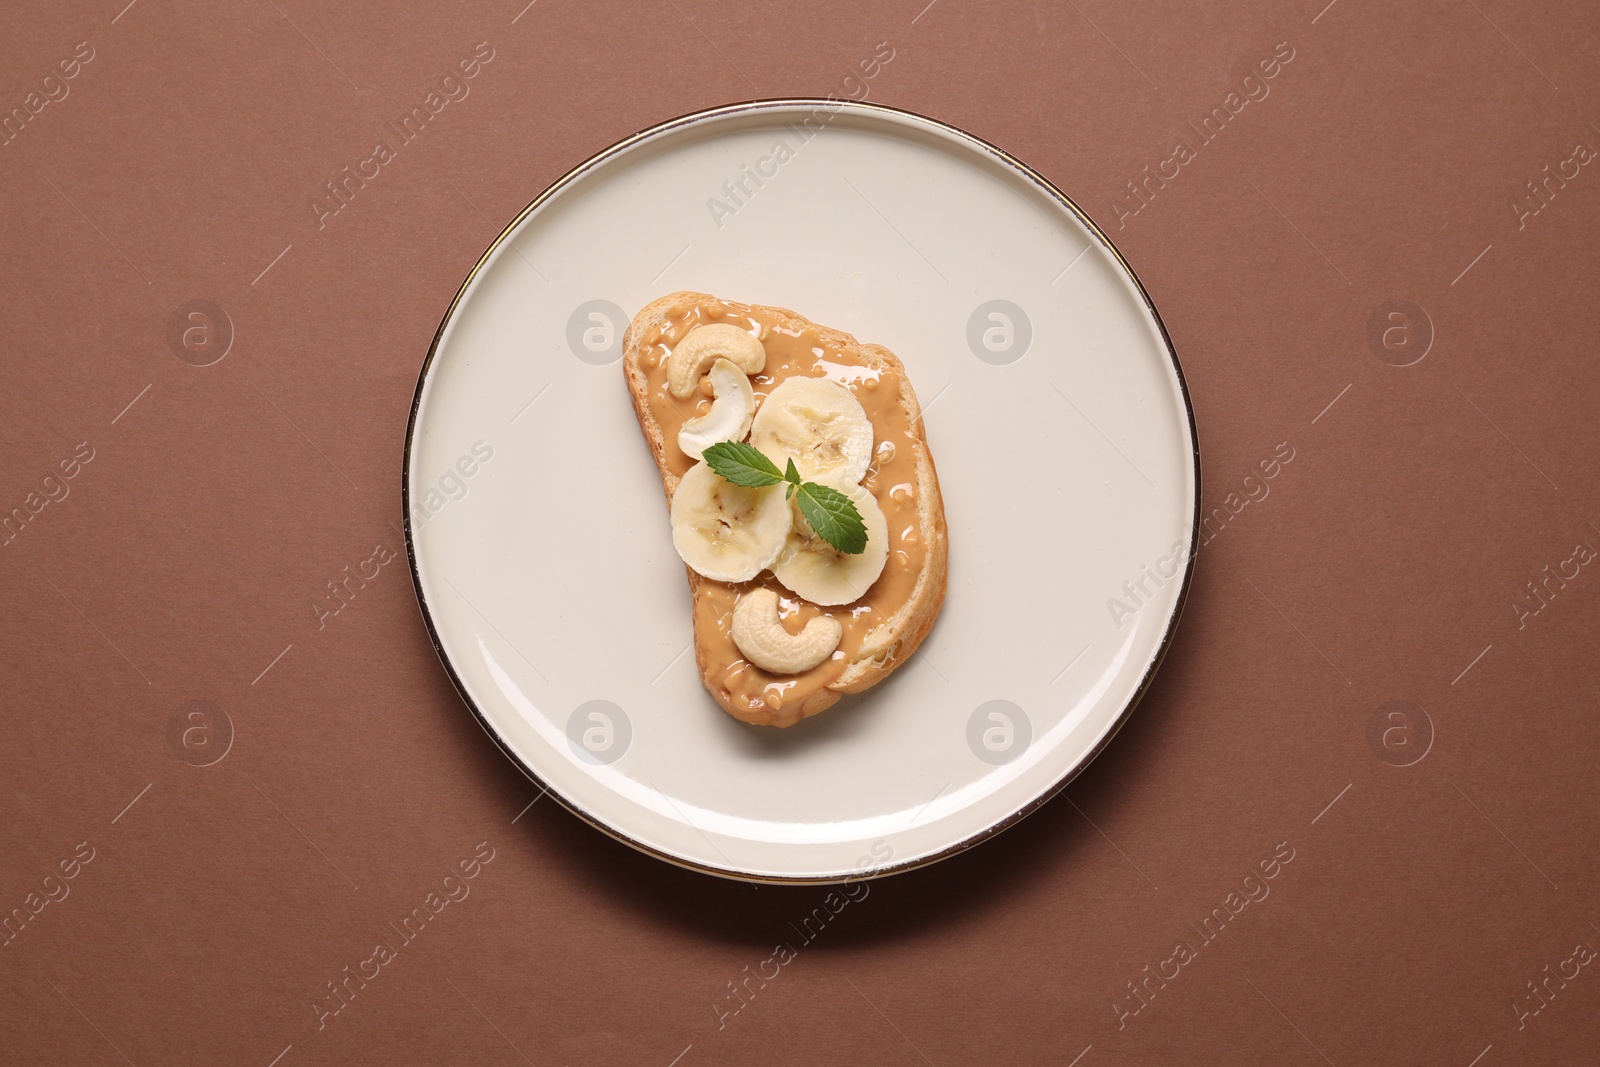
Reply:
x=753, y=694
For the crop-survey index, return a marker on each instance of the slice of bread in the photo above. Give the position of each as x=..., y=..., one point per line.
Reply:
x=899, y=627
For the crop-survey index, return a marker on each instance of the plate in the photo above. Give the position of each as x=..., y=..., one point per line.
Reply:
x=1056, y=414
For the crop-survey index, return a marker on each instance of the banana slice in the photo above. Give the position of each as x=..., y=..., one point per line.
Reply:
x=732, y=408
x=727, y=532
x=815, y=570
x=821, y=425
x=702, y=346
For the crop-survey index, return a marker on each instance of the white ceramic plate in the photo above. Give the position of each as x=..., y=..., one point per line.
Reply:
x=1056, y=414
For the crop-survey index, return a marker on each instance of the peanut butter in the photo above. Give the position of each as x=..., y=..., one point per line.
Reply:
x=752, y=694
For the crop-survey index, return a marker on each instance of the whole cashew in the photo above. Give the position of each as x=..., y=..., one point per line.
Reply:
x=762, y=640
x=702, y=346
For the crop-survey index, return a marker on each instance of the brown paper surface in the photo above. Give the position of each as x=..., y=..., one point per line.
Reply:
x=158, y=216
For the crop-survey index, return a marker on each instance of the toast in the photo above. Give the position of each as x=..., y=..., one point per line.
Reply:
x=881, y=629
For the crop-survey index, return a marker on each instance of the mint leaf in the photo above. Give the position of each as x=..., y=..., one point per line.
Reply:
x=742, y=464
x=834, y=518
x=828, y=511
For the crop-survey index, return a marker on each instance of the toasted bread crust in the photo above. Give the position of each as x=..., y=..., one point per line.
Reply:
x=891, y=642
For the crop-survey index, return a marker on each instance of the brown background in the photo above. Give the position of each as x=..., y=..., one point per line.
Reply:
x=1383, y=566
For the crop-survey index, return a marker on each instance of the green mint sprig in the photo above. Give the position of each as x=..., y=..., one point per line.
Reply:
x=830, y=512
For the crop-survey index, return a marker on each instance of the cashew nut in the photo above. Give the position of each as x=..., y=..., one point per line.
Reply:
x=731, y=411
x=702, y=346
x=762, y=639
